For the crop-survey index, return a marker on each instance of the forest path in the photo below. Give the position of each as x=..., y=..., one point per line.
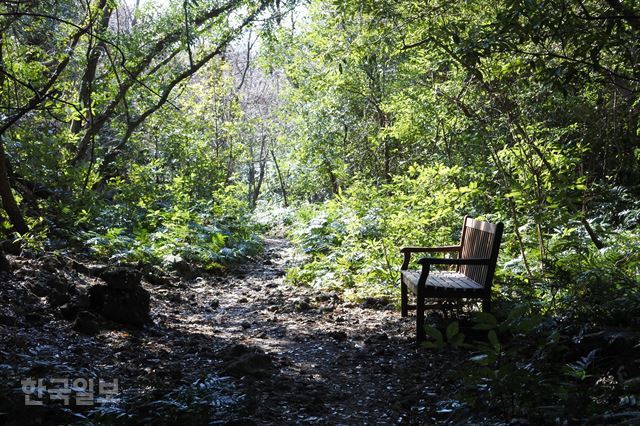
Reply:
x=334, y=362
x=241, y=348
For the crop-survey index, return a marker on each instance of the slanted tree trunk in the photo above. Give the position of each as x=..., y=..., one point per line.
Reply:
x=86, y=86
x=333, y=179
x=283, y=187
x=255, y=184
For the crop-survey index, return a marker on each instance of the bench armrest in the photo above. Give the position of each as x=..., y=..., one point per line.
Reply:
x=406, y=251
x=440, y=261
x=444, y=249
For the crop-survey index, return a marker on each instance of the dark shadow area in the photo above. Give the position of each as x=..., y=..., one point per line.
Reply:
x=241, y=348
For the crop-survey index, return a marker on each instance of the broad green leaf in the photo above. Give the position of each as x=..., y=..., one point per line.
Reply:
x=452, y=330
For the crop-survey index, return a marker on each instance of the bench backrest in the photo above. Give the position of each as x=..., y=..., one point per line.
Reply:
x=480, y=240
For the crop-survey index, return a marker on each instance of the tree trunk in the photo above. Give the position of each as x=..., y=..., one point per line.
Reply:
x=283, y=187
x=256, y=184
x=333, y=179
x=8, y=200
x=86, y=86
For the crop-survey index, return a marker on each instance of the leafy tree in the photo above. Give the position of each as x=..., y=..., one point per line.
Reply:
x=90, y=75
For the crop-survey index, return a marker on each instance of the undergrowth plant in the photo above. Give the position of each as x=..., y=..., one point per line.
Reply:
x=352, y=241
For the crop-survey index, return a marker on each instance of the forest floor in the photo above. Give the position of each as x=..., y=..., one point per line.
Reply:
x=242, y=348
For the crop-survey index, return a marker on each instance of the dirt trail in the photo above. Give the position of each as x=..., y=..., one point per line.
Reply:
x=336, y=362
x=237, y=349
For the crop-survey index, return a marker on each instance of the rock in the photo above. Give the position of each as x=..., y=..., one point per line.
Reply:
x=126, y=306
x=58, y=298
x=79, y=267
x=158, y=280
x=38, y=289
x=181, y=266
x=214, y=304
x=96, y=270
x=157, y=276
x=69, y=311
x=121, y=278
x=322, y=297
x=234, y=351
x=82, y=298
x=244, y=360
x=246, y=324
x=243, y=300
x=377, y=338
x=58, y=283
x=86, y=323
x=375, y=302
x=52, y=263
x=301, y=305
x=337, y=335
x=326, y=309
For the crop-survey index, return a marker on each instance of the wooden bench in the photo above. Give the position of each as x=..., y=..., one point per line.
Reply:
x=475, y=264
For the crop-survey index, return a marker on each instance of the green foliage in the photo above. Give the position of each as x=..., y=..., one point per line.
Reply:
x=208, y=233
x=531, y=365
x=352, y=241
x=123, y=131
x=513, y=97
x=532, y=113
x=389, y=122
x=454, y=337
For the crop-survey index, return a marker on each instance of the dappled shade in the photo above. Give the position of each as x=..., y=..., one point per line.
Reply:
x=206, y=200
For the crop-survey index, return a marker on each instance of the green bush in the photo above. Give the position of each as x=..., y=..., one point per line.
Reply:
x=352, y=241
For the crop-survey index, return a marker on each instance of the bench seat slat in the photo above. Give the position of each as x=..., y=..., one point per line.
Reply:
x=442, y=281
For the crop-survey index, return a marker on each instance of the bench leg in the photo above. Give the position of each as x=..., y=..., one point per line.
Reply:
x=486, y=305
x=420, y=333
x=404, y=299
